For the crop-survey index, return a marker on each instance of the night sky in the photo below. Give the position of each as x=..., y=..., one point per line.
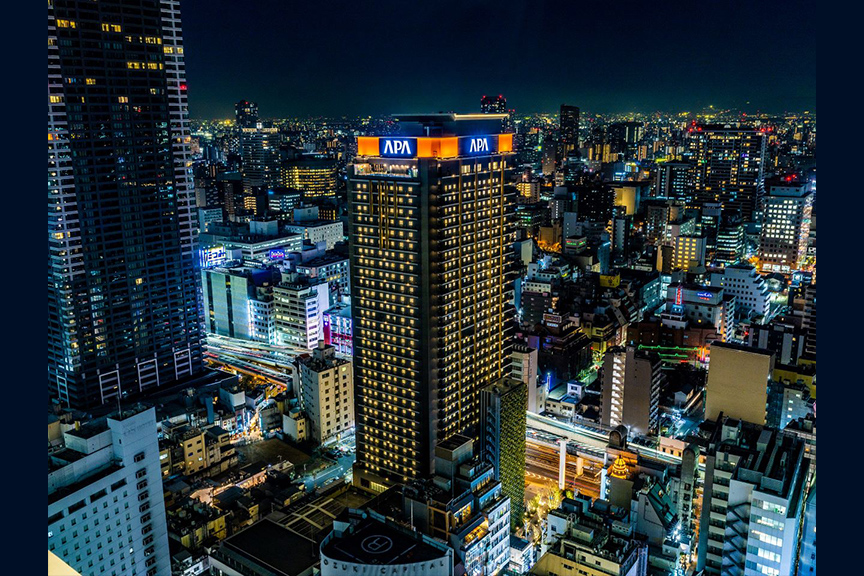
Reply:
x=335, y=58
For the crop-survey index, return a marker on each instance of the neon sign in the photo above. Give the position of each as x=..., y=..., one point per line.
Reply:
x=478, y=145
x=276, y=254
x=213, y=256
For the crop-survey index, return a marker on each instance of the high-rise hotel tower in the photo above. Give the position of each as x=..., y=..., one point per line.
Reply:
x=431, y=232
x=124, y=305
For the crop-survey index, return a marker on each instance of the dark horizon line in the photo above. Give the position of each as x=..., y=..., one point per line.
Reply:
x=755, y=114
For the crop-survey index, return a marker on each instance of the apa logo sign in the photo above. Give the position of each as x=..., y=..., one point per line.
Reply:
x=398, y=146
x=478, y=145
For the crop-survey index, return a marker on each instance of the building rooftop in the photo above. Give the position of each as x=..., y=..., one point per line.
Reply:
x=372, y=541
x=741, y=348
x=268, y=545
x=323, y=261
x=312, y=223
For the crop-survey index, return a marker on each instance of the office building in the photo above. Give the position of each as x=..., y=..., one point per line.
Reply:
x=315, y=231
x=315, y=175
x=568, y=126
x=339, y=329
x=688, y=252
x=701, y=307
x=730, y=246
x=780, y=336
x=238, y=302
x=254, y=246
x=624, y=138
x=632, y=381
x=284, y=200
x=658, y=215
x=229, y=186
x=259, y=145
x=502, y=440
x=788, y=401
x=788, y=207
x=123, y=302
x=421, y=362
x=524, y=368
x=493, y=104
x=106, y=513
x=246, y=114
x=711, y=214
x=260, y=550
x=299, y=304
x=675, y=181
x=728, y=162
x=529, y=191
x=595, y=202
x=629, y=195
x=208, y=215
x=327, y=394
x=737, y=386
x=753, y=500
x=332, y=269
x=752, y=299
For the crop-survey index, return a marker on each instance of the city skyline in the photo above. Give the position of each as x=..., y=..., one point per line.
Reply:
x=432, y=333
x=652, y=60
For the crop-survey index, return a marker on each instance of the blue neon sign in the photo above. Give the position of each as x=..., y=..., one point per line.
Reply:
x=474, y=145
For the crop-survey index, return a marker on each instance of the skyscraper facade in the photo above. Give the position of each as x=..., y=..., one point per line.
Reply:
x=569, y=130
x=259, y=145
x=246, y=113
x=675, y=181
x=124, y=301
x=315, y=175
x=728, y=162
x=493, y=104
x=430, y=235
x=785, y=226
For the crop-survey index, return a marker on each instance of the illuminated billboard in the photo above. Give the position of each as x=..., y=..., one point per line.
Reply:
x=397, y=147
x=213, y=256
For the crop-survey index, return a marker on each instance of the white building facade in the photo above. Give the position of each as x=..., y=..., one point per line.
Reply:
x=106, y=512
x=748, y=286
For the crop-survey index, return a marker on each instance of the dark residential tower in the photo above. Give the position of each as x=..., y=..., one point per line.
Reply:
x=124, y=303
x=431, y=225
x=569, y=131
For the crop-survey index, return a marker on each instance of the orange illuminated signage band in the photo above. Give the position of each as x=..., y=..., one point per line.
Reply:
x=441, y=147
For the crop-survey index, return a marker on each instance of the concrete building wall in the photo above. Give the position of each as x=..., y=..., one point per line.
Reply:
x=738, y=383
